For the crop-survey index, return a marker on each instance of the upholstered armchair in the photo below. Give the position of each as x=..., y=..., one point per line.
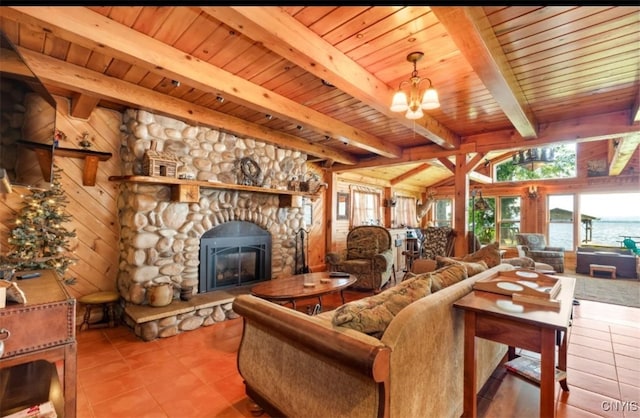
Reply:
x=368, y=256
x=535, y=246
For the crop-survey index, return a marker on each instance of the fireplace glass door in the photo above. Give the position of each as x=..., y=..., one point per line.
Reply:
x=234, y=255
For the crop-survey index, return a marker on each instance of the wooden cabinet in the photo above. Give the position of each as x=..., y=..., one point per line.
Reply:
x=42, y=329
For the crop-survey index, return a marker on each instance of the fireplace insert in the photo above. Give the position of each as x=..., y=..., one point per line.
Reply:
x=233, y=254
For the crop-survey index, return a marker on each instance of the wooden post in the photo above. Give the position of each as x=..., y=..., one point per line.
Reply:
x=460, y=205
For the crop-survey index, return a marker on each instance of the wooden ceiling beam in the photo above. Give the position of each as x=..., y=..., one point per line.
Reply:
x=82, y=105
x=70, y=76
x=413, y=172
x=635, y=110
x=580, y=129
x=623, y=149
x=101, y=34
x=292, y=40
x=13, y=64
x=472, y=33
x=451, y=166
x=480, y=178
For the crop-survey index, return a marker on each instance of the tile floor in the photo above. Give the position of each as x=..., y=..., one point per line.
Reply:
x=194, y=374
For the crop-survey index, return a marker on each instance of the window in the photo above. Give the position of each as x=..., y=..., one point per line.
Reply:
x=443, y=212
x=508, y=220
x=562, y=166
x=561, y=221
x=366, y=208
x=614, y=217
x=483, y=221
x=405, y=211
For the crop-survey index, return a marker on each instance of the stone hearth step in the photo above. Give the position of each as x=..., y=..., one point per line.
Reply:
x=151, y=322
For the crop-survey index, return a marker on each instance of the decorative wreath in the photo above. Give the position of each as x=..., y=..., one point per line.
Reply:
x=251, y=170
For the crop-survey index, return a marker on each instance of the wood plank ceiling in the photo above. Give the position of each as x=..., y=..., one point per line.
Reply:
x=320, y=79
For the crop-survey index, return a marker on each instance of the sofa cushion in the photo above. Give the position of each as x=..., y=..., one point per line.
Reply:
x=446, y=276
x=373, y=314
x=364, y=247
x=473, y=267
x=490, y=254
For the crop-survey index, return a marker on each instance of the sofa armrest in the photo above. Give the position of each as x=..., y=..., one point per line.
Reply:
x=363, y=357
x=559, y=249
x=383, y=261
x=292, y=363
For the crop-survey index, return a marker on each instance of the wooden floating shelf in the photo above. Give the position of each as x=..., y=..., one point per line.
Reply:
x=183, y=190
x=45, y=153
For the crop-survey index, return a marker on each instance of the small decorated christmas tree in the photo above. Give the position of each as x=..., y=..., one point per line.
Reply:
x=39, y=240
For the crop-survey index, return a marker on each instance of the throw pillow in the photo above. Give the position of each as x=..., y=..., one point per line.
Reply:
x=446, y=276
x=473, y=267
x=365, y=247
x=372, y=315
x=490, y=254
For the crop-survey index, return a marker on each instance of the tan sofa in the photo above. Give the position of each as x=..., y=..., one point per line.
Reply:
x=303, y=366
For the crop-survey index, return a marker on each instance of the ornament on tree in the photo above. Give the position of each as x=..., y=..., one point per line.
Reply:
x=39, y=240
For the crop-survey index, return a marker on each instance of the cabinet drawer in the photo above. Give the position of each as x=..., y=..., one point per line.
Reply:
x=36, y=327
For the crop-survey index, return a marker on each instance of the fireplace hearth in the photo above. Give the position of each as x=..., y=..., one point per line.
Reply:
x=235, y=253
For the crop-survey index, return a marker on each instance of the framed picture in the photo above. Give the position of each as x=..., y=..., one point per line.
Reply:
x=597, y=168
x=342, y=208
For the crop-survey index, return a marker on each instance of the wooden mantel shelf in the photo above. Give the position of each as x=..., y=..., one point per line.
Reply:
x=183, y=190
x=45, y=154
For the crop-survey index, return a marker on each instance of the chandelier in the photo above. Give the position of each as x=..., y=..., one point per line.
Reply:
x=414, y=104
x=533, y=158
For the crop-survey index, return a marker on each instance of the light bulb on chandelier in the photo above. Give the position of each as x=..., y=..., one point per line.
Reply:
x=415, y=102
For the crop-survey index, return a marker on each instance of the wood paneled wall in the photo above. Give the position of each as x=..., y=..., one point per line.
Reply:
x=93, y=209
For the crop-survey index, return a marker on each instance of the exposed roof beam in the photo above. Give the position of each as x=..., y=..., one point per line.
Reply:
x=413, y=172
x=451, y=166
x=480, y=178
x=60, y=73
x=635, y=110
x=13, y=64
x=101, y=34
x=583, y=129
x=283, y=34
x=472, y=33
x=622, y=153
x=425, y=153
x=82, y=105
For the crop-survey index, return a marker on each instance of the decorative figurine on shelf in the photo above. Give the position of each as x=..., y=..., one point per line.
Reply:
x=159, y=164
x=249, y=172
x=84, y=141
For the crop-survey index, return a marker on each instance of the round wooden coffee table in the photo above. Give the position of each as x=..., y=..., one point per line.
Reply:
x=302, y=286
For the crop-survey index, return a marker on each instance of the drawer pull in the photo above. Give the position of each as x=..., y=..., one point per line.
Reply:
x=4, y=334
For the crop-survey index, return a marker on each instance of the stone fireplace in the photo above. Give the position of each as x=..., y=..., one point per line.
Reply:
x=160, y=238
